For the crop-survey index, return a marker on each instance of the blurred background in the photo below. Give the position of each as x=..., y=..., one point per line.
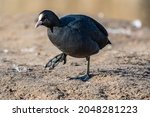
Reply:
x=115, y=9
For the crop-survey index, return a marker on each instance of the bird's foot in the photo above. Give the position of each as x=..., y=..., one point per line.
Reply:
x=56, y=60
x=85, y=77
x=82, y=78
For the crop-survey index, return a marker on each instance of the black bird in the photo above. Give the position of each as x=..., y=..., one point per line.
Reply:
x=75, y=35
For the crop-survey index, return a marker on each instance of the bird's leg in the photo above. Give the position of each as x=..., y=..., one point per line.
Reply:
x=56, y=60
x=87, y=75
x=88, y=66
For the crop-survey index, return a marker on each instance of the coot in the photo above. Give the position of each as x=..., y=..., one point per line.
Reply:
x=76, y=35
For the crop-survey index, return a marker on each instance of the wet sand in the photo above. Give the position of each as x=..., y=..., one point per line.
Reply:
x=120, y=71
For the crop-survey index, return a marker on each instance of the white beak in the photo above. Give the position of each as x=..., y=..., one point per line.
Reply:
x=38, y=24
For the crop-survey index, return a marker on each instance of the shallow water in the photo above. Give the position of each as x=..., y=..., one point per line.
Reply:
x=117, y=9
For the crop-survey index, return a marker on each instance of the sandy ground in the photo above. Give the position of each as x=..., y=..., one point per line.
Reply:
x=120, y=71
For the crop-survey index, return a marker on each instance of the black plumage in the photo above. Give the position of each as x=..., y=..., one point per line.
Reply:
x=75, y=35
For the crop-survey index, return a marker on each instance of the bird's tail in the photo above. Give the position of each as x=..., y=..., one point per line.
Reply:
x=109, y=42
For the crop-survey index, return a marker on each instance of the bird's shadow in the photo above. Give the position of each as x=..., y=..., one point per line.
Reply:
x=128, y=72
x=83, y=78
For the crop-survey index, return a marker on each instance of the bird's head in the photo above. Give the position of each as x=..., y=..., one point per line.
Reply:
x=47, y=18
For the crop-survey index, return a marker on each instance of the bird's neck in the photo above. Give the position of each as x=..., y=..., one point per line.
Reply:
x=54, y=29
x=56, y=21
x=56, y=24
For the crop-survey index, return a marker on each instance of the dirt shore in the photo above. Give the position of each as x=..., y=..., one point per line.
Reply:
x=120, y=71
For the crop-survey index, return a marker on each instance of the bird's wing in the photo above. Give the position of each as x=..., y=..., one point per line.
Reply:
x=67, y=20
x=87, y=28
x=74, y=18
x=100, y=27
